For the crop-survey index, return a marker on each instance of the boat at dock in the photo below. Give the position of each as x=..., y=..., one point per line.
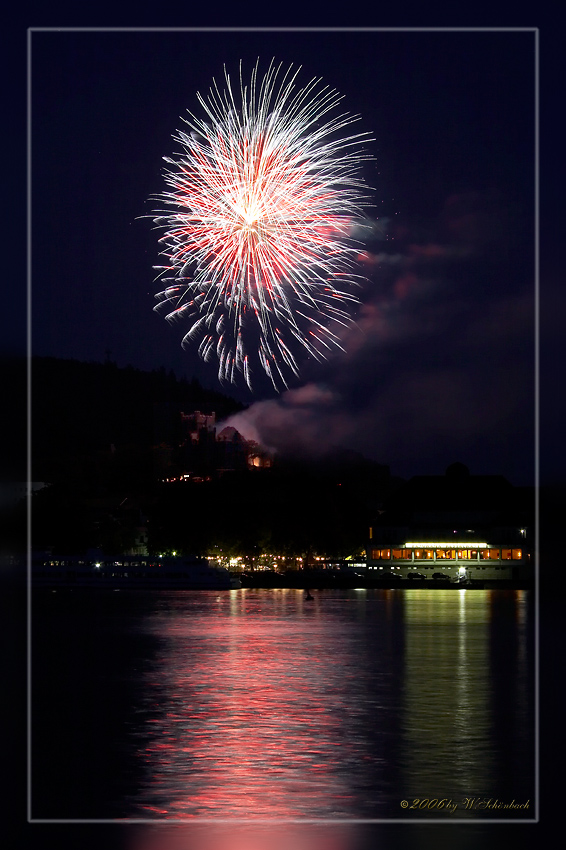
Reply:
x=130, y=573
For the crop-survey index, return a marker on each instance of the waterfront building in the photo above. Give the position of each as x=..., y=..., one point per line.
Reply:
x=455, y=527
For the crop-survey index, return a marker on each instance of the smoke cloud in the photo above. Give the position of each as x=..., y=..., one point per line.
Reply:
x=439, y=366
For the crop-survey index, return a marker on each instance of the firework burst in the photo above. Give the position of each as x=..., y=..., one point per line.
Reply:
x=266, y=191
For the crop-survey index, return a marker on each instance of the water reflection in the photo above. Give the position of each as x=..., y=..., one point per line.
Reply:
x=511, y=687
x=253, y=712
x=446, y=695
x=260, y=705
x=465, y=699
x=468, y=836
x=294, y=837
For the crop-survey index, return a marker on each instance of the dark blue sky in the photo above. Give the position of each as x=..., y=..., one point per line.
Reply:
x=441, y=365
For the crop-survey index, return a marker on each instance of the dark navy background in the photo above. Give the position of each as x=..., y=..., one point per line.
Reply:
x=552, y=399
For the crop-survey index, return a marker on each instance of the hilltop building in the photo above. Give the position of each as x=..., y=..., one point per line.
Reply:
x=195, y=450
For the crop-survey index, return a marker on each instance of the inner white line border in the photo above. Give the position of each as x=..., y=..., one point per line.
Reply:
x=302, y=821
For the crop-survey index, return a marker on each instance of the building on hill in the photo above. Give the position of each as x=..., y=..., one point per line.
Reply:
x=457, y=525
x=195, y=424
x=231, y=450
x=194, y=450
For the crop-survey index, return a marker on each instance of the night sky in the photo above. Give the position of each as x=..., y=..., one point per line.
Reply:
x=440, y=367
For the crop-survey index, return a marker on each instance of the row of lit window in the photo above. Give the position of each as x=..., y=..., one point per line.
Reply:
x=75, y=564
x=66, y=563
x=447, y=554
x=102, y=575
x=434, y=567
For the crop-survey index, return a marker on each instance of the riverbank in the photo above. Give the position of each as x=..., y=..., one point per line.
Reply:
x=328, y=579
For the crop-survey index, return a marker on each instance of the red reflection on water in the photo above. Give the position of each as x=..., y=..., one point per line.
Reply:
x=293, y=837
x=242, y=720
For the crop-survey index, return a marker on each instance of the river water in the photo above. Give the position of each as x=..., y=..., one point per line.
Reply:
x=260, y=704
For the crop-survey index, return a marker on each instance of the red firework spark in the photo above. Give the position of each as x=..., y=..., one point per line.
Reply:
x=259, y=252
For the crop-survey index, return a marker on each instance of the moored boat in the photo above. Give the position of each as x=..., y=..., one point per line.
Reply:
x=130, y=572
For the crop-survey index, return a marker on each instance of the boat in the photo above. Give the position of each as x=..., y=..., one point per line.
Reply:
x=131, y=572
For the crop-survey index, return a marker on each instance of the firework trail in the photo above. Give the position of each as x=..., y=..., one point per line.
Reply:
x=265, y=193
